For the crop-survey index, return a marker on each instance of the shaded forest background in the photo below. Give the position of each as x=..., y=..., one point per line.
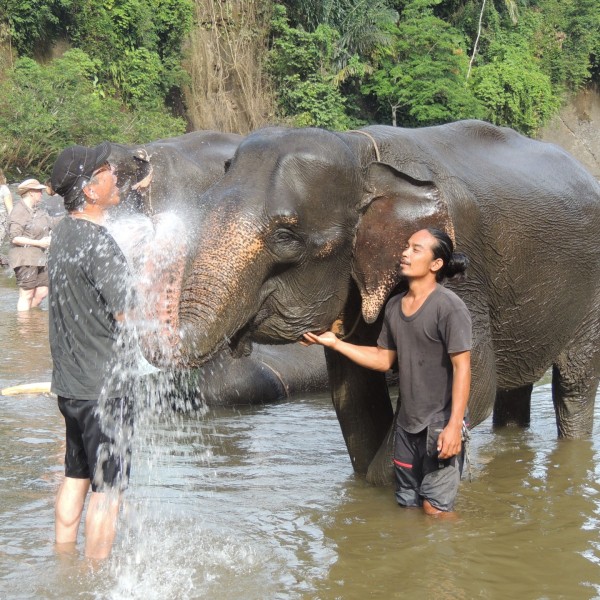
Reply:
x=80, y=71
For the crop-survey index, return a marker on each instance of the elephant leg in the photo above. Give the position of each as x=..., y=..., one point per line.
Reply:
x=381, y=469
x=574, y=386
x=362, y=404
x=574, y=403
x=513, y=407
x=575, y=377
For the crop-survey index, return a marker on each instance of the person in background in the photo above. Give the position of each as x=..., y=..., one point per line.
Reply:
x=89, y=297
x=427, y=330
x=29, y=227
x=6, y=205
x=5, y=194
x=53, y=202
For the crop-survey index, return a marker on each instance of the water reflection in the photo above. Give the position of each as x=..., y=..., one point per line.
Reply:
x=261, y=503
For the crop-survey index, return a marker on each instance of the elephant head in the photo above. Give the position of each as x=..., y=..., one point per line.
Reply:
x=298, y=215
x=164, y=180
x=171, y=174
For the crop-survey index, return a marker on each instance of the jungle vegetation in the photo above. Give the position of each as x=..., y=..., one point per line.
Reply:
x=80, y=71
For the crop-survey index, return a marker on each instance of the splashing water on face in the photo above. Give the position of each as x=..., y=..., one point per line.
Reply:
x=155, y=250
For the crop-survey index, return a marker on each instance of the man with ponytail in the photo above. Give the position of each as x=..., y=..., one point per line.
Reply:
x=427, y=330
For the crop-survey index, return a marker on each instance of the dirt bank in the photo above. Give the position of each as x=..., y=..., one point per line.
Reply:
x=577, y=128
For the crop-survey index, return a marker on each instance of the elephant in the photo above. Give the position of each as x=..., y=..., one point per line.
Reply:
x=170, y=175
x=308, y=236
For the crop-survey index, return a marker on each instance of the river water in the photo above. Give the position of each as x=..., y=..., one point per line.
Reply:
x=261, y=503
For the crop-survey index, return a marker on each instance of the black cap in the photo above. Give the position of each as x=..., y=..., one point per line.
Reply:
x=74, y=167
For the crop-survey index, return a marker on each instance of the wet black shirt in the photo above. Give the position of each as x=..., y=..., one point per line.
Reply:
x=89, y=282
x=424, y=342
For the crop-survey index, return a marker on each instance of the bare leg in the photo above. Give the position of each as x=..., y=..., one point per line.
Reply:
x=101, y=524
x=69, y=507
x=25, y=298
x=430, y=510
x=39, y=295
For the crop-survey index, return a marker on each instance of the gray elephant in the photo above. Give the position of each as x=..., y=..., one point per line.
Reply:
x=309, y=231
x=171, y=175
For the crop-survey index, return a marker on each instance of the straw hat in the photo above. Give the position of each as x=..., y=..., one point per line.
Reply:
x=28, y=185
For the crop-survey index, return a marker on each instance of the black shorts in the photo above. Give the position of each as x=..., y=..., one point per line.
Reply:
x=29, y=278
x=98, y=441
x=420, y=474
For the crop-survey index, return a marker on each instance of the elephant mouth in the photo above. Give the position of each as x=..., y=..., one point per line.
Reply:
x=240, y=344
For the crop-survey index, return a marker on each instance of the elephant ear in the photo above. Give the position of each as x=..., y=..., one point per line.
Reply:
x=394, y=208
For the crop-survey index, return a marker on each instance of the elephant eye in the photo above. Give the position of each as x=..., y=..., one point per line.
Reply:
x=284, y=235
x=286, y=245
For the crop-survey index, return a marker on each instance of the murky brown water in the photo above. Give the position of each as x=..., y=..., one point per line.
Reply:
x=261, y=503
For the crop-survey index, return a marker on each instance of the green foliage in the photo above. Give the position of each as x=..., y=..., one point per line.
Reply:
x=514, y=90
x=361, y=23
x=138, y=44
x=302, y=67
x=45, y=108
x=420, y=79
x=32, y=23
x=334, y=63
x=582, y=42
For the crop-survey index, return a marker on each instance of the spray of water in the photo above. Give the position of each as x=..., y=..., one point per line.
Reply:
x=160, y=401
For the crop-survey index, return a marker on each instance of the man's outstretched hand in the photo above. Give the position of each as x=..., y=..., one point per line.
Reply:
x=327, y=339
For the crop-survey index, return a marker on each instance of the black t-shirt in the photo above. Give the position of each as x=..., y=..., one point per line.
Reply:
x=89, y=284
x=424, y=341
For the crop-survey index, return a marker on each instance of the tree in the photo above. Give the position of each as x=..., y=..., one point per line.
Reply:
x=44, y=108
x=302, y=67
x=420, y=80
x=514, y=90
x=137, y=44
x=32, y=24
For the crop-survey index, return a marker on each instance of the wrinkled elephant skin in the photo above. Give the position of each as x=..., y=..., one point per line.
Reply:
x=164, y=180
x=308, y=232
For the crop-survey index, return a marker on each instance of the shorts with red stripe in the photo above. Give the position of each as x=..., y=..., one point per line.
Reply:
x=421, y=475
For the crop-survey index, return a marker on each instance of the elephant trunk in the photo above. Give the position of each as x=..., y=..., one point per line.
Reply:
x=160, y=275
x=219, y=295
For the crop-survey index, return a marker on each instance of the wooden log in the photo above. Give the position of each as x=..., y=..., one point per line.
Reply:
x=43, y=387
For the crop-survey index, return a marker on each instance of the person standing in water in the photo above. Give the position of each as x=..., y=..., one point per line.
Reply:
x=89, y=291
x=6, y=199
x=427, y=330
x=29, y=227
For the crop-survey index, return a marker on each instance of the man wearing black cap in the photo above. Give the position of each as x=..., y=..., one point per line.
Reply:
x=88, y=278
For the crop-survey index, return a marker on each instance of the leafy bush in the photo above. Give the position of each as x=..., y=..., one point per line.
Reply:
x=302, y=67
x=137, y=44
x=420, y=79
x=514, y=90
x=44, y=108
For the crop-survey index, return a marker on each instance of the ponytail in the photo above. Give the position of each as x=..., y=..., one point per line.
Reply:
x=455, y=263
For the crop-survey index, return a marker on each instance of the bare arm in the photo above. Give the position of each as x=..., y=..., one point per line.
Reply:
x=8, y=203
x=371, y=357
x=449, y=442
x=21, y=240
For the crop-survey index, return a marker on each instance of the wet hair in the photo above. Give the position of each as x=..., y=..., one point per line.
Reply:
x=455, y=263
